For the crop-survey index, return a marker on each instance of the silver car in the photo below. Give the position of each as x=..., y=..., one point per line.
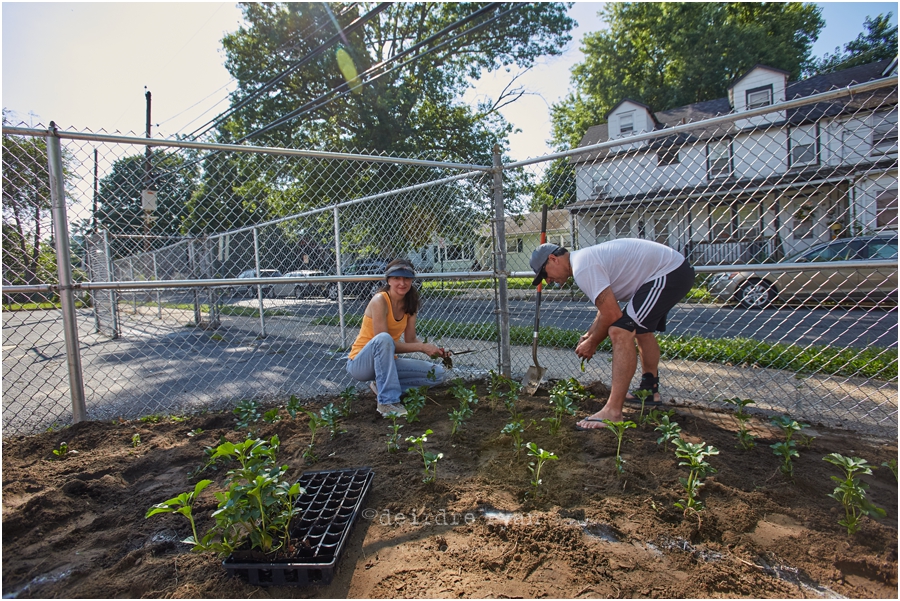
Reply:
x=299, y=289
x=756, y=290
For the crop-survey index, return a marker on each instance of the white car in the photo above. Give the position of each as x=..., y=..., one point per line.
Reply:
x=299, y=289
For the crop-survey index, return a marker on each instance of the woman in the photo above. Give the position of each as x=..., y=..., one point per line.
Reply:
x=390, y=314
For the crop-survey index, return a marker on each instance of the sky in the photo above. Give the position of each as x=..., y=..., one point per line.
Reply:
x=87, y=66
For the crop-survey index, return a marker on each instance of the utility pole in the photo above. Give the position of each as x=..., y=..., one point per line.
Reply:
x=148, y=195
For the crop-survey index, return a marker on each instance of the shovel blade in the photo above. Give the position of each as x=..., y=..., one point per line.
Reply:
x=533, y=378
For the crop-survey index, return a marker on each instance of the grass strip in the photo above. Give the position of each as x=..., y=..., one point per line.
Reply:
x=875, y=363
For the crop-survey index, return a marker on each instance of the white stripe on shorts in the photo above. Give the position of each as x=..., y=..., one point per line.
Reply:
x=649, y=302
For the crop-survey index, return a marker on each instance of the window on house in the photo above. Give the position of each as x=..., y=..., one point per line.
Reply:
x=884, y=133
x=623, y=228
x=661, y=230
x=804, y=220
x=804, y=146
x=601, y=231
x=886, y=209
x=513, y=245
x=747, y=221
x=721, y=224
x=667, y=156
x=759, y=97
x=457, y=252
x=626, y=123
x=718, y=155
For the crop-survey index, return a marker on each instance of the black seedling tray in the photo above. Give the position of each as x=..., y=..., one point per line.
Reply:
x=328, y=510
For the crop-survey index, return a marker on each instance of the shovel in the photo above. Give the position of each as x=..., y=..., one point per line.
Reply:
x=535, y=373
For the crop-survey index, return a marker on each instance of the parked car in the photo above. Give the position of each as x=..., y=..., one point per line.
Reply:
x=755, y=290
x=299, y=289
x=364, y=288
x=250, y=289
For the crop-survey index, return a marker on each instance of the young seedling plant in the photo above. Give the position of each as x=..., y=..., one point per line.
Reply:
x=467, y=398
x=891, y=465
x=184, y=505
x=618, y=429
x=562, y=404
x=64, y=451
x=348, y=396
x=540, y=458
x=330, y=416
x=294, y=406
x=851, y=491
x=394, y=436
x=246, y=413
x=428, y=458
x=135, y=440
x=787, y=451
x=693, y=455
x=414, y=401
x=315, y=422
x=643, y=395
x=670, y=431
x=271, y=416
x=515, y=429
x=746, y=440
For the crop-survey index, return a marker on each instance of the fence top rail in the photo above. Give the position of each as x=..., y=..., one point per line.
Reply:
x=721, y=119
x=293, y=152
x=770, y=267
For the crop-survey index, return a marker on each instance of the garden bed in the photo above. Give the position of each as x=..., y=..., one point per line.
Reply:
x=75, y=527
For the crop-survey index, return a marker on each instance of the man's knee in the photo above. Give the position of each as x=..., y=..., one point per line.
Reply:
x=619, y=336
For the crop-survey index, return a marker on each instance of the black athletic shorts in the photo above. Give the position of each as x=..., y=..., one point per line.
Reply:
x=647, y=310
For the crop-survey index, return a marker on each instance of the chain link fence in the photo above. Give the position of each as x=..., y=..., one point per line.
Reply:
x=207, y=273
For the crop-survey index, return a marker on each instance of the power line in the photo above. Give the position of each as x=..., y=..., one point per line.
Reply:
x=343, y=89
x=297, y=65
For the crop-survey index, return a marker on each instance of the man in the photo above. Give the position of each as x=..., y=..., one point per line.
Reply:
x=650, y=277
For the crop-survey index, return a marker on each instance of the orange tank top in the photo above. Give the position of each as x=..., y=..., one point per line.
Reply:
x=395, y=327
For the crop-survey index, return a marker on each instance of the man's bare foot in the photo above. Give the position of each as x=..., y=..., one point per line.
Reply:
x=595, y=422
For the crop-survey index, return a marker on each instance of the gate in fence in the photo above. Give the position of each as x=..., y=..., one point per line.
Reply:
x=250, y=277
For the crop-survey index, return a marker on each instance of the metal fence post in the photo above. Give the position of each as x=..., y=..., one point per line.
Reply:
x=156, y=278
x=113, y=294
x=259, y=296
x=64, y=269
x=502, y=274
x=340, y=285
x=193, y=265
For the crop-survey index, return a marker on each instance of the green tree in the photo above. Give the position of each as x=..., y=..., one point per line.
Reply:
x=29, y=256
x=670, y=54
x=877, y=42
x=119, y=199
x=391, y=86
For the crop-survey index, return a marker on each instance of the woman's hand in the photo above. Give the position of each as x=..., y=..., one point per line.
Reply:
x=432, y=350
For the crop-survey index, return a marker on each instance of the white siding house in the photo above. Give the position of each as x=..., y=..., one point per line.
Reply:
x=753, y=189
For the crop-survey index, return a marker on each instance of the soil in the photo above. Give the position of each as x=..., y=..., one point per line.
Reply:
x=75, y=527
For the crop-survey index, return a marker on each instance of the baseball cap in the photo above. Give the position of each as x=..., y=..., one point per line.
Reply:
x=399, y=271
x=539, y=261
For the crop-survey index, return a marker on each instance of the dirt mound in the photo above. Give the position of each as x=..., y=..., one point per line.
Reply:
x=75, y=527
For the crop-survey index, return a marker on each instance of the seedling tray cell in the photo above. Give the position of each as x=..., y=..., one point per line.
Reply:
x=328, y=510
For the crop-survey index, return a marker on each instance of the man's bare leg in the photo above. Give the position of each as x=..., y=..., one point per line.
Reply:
x=623, y=365
x=648, y=347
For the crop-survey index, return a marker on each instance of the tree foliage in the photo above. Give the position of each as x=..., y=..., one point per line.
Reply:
x=670, y=54
x=119, y=199
x=28, y=253
x=877, y=42
x=392, y=86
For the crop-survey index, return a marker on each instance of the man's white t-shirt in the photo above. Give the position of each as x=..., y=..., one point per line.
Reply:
x=623, y=264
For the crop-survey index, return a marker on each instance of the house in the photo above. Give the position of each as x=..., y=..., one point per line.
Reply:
x=523, y=235
x=751, y=189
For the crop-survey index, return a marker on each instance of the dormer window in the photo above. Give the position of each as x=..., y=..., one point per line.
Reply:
x=759, y=97
x=626, y=123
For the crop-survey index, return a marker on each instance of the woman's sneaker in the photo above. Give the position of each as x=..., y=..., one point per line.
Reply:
x=388, y=408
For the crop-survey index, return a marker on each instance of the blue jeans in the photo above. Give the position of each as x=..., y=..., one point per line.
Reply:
x=393, y=375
